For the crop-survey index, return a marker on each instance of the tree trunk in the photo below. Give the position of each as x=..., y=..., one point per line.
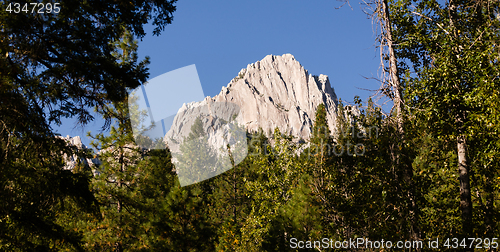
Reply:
x=398, y=105
x=465, y=193
x=489, y=208
x=393, y=68
x=463, y=163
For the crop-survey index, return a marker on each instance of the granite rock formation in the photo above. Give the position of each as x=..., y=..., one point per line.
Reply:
x=274, y=92
x=72, y=161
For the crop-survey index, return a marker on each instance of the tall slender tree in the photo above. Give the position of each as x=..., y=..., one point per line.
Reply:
x=451, y=49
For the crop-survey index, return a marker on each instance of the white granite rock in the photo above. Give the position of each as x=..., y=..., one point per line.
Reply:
x=274, y=92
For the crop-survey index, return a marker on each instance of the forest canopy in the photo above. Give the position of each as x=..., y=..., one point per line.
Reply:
x=430, y=171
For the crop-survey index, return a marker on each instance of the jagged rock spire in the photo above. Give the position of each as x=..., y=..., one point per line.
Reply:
x=274, y=92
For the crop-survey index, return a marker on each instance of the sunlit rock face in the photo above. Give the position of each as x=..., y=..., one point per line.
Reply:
x=274, y=92
x=72, y=161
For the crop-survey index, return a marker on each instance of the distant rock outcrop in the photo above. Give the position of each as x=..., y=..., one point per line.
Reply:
x=71, y=161
x=274, y=92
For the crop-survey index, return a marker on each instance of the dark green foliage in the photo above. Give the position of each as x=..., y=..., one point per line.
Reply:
x=64, y=60
x=181, y=214
x=363, y=178
x=182, y=219
x=302, y=216
x=53, y=66
x=321, y=140
x=230, y=205
x=116, y=188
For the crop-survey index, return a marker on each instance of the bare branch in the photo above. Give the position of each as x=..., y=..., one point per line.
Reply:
x=430, y=19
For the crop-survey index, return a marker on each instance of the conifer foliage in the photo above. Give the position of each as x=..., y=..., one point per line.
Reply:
x=373, y=176
x=55, y=66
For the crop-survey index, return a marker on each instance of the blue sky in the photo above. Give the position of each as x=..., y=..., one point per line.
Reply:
x=222, y=37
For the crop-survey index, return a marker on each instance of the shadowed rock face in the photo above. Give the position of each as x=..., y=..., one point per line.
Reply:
x=274, y=92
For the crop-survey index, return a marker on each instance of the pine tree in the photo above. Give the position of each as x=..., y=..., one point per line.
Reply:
x=321, y=141
x=55, y=66
x=116, y=187
x=119, y=181
x=302, y=217
x=231, y=200
x=270, y=188
x=182, y=211
x=182, y=218
x=197, y=160
x=361, y=197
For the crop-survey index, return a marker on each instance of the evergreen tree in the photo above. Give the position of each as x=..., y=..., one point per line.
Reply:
x=302, y=217
x=321, y=140
x=119, y=181
x=182, y=218
x=53, y=66
x=116, y=185
x=275, y=177
x=183, y=213
x=361, y=197
x=197, y=160
x=231, y=199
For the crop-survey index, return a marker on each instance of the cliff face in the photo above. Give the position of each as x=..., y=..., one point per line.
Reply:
x=274, y=92
x=278, y=92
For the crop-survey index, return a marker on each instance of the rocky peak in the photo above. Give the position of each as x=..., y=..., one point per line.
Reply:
x=274, y=92
x=278, y=92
